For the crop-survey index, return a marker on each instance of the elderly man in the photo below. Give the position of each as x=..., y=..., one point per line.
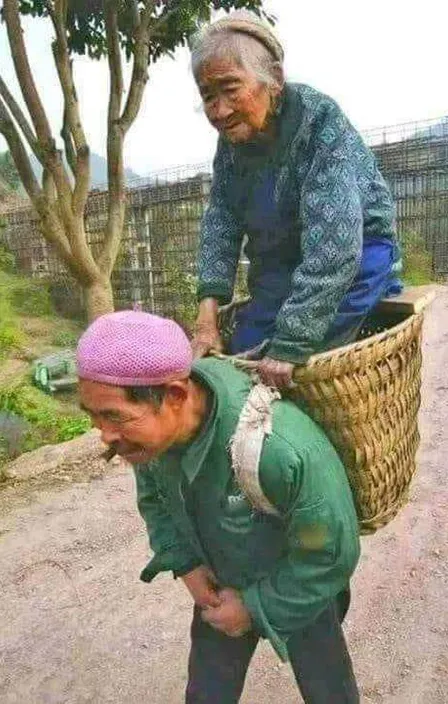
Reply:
x=275, y=567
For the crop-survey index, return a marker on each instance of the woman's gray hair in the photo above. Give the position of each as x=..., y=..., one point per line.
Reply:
x=230, y=40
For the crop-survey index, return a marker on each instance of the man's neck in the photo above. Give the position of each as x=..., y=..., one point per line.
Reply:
x=196, y=412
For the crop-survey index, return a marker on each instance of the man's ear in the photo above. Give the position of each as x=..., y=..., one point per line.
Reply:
x=176, y=393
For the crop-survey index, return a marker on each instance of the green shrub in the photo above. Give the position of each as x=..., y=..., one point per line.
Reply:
x=43, y=413
x=30, y=297
x=19, y=296
x=10, y=335
x=72, y=426
x=183, y=290
x=66, y=338
x=7, y=261
x=417, y=261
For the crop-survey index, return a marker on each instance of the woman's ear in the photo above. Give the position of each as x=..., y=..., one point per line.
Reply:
x=279, y=78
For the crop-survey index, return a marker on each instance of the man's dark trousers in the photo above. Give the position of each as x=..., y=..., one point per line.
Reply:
x=318, y=655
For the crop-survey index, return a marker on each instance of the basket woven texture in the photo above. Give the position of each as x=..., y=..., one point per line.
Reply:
x=366, y=397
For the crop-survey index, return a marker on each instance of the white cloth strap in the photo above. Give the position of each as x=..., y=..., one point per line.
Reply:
x=255, y=422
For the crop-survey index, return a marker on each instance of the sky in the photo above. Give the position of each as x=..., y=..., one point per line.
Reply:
x=385, y=62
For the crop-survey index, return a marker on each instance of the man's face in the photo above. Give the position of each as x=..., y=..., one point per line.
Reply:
x=235, y=101
x=138, y=432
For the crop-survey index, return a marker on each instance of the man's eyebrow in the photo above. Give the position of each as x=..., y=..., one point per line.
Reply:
x=102, y=412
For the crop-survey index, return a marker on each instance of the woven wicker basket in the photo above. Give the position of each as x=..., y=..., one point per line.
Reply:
x=366, y=397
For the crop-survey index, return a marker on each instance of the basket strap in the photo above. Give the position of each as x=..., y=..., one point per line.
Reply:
x=255, y=422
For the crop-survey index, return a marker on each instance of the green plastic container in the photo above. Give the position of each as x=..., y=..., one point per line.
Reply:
x=55, y=372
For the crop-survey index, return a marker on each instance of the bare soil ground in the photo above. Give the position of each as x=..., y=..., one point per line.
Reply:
x=78, y=627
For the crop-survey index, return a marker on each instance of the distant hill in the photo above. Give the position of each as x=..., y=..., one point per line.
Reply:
x=98, y=170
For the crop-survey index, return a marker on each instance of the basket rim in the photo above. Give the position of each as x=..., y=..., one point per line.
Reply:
x=359, y=345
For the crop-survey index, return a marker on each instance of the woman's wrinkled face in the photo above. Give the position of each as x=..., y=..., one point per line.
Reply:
x=236, y=103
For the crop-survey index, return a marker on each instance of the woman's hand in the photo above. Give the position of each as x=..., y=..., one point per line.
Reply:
x=206, y=334
x=273, y=372
x=206, y=339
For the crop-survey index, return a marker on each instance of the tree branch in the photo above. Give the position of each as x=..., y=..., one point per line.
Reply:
x=18, y=153
x=53, y=228
x=72, y=117
x=139, y=70
x=158, y=23
x=64, y=68
x=23, y=71
x=115, y=144
x=19, y=116
x=49, y=155
x=135, y=14
x=70, y=152
x=48, y=186
x=62, y=220
x=114, y=59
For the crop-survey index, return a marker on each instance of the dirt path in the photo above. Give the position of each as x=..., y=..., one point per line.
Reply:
x=77, y=626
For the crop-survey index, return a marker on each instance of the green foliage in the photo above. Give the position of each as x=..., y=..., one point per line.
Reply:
x=8, y=172
x=30, y=297
x=43, y=413
x=10, y=335
x=30, y=404
x=7, y=261
x=24, y=296
x=66, y=338
x=417, y=261
x=45, y=418
x=183, y=288
x=71, y=427
x=173, y=22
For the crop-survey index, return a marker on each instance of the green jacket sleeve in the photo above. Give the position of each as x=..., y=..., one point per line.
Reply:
x=331, y=217
x=171, y=550
x=323, y=546
x=221, y=237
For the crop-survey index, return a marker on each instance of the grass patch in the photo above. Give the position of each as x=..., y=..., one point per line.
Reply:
x=30, y=418
x=25, y=296
x=10, y=335
x=46, y=417
x=7, y=262
x=66, y=338
x=18, y=296
x=183, y=289
x=30, y=297
x=417, y=261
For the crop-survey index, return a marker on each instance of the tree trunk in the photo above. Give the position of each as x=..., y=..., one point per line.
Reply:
x=98, y=298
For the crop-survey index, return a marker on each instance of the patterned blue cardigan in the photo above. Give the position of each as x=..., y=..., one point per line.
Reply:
x=329, y=196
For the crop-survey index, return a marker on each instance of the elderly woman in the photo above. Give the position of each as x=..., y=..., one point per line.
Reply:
x=293, y=176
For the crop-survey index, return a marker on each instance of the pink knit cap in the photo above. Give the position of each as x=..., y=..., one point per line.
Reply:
x=131, y=348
